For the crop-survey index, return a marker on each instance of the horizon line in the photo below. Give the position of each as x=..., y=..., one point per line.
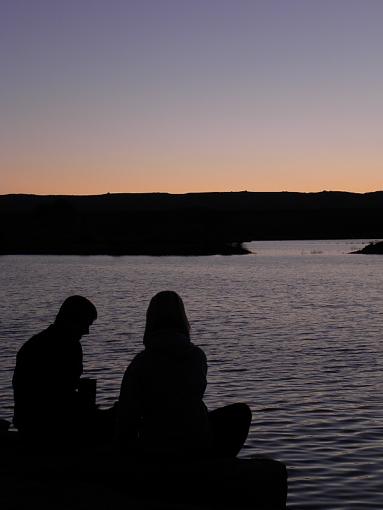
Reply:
x=183, y=193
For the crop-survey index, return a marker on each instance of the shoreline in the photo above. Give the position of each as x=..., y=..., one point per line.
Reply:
x=225, y=249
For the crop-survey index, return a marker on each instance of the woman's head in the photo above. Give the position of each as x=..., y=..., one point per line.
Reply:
x=166, y=312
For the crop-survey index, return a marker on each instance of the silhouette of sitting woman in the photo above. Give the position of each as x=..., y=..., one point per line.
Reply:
x=161, y=410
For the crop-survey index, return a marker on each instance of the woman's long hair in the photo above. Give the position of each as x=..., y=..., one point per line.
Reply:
x=166, y=311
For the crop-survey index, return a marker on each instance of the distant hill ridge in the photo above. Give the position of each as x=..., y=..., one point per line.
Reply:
x=240, y=200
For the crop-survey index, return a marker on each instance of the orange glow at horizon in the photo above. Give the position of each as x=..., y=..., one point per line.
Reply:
x=170, y=178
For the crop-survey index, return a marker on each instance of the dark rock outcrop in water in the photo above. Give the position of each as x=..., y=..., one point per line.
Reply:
x=374, y=248
x=189, y=224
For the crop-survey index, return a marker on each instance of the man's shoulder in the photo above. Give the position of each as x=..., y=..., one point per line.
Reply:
x=36, y=342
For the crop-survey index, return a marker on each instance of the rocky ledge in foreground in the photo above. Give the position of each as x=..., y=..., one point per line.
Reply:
x=99, y=479
x=374, y=248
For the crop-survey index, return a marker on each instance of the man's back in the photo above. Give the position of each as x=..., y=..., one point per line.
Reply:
x=45, y=381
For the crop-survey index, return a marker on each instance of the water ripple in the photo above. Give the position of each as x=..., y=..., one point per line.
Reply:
x=296, y=335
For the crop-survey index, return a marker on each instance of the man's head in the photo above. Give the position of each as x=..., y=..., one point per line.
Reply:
x=76, y=314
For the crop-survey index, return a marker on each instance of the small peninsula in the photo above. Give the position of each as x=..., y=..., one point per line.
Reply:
x=374, y=248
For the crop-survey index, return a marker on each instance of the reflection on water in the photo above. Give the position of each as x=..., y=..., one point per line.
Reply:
x=295, y=331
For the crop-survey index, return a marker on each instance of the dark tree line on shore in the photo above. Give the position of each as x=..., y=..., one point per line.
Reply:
x=190, y=224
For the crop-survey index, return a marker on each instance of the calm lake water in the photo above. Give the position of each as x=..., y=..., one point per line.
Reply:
x=295, y=330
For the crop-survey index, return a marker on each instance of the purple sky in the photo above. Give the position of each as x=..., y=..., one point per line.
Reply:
x=179, y=96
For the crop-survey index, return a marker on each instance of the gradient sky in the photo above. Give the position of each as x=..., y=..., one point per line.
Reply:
x=190, y=95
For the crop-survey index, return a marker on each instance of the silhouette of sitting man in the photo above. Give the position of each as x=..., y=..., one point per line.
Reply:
x=46, y=379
